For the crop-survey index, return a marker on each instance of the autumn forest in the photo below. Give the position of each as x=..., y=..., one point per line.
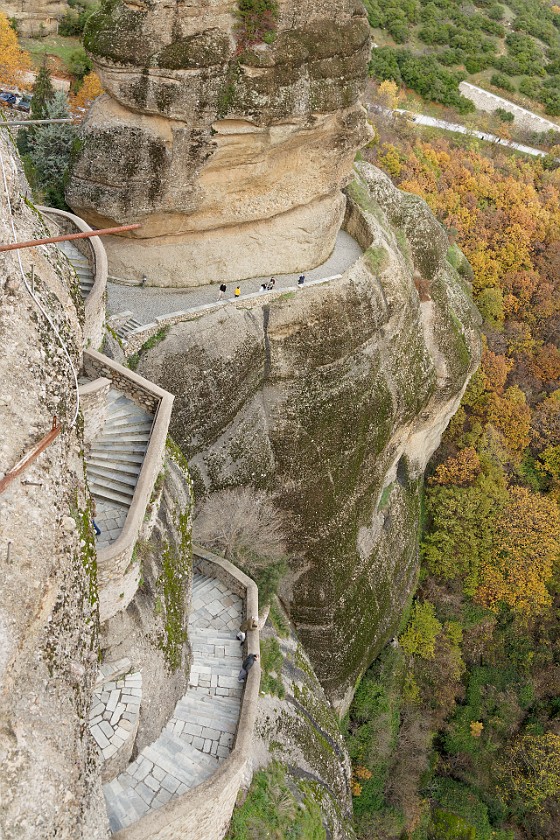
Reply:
x=456, y=734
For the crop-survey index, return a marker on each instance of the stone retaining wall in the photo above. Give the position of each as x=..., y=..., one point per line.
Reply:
x=93, y=401
x=205, y=811
x=117, y=575
x=486, y=101
x=136, y=338
x=94, y=251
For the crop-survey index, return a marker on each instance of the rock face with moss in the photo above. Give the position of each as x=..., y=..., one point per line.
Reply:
x=334, y=398
x=48, y=611
x=297, y=728
x=226, y=135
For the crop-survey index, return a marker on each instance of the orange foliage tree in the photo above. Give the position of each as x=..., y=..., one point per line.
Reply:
x=13, y=60
x=525, y=549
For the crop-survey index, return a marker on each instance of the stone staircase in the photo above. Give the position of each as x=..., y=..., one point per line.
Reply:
x=202, y=729
x=114, y=463
x=116, y=455
x=129, y=325
x=81, y=266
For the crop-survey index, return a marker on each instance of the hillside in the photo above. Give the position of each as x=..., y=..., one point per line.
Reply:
x=512, y=49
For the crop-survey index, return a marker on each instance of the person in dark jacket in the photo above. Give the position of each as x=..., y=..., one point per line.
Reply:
x=248, y=663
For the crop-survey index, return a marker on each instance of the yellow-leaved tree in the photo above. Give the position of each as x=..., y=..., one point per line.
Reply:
x=90, y=90
x=525, y=550
x=13, y=60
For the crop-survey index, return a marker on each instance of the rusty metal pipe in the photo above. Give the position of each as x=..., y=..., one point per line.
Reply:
x=15, y=246
x=31, y=456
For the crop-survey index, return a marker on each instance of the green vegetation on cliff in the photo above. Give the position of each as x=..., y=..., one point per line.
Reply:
x=476, y=752
x=277, y=806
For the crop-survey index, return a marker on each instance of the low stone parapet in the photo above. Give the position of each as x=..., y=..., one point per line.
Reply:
x=92, y=248
x=136, y=338
x=93, y=402
x=113, y=721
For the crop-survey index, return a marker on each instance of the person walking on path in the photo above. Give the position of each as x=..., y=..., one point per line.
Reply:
x=222, y=290
x=301, y=281
x=248, y=663
x=237, y=291
x=96, y=527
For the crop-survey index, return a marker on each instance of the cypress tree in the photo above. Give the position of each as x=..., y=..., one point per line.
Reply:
x=43, y=93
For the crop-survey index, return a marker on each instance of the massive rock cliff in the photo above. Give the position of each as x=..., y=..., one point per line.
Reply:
x=231, y=156
x=333, y=399
x=48, y=610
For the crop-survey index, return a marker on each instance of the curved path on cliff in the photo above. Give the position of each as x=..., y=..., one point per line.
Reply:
x=201, y=731
x=151, y=302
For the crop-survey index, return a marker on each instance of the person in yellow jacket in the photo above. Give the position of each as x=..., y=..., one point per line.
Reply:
x=237, y=291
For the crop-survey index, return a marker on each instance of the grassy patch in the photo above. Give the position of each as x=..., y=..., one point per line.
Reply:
x=376, y=258
x=171, y=585
x=278, y=620
x=276, y=806
x=154, y=340
x=59, y=46
x=271, y=665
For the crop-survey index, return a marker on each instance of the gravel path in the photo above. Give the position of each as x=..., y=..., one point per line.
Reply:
x=151, y=302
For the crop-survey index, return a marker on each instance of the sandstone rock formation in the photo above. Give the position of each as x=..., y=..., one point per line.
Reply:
x=232, y=157
x=48, y=610
x=334, y=400
x=35, y=17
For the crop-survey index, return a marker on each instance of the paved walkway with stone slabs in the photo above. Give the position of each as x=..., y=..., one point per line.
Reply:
x=114, y=712
x=202, y=729
x=151, y=302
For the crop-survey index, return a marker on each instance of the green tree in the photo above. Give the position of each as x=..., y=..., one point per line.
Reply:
x=50, y=150
x=531, y=771
x=422, y=630
x=43, y=93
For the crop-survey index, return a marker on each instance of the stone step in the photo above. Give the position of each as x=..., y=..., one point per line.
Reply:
x=228, y=705
x=202, y=634
x=116, y=412
x=229, y=710
x=100, y=491
x=126, y=437
x=213, y=719
x=111, y=671
x=119, y=466
x=122, y=447
x=123, y=425
x=108, y=455
x=110, y=474
x=121, y=484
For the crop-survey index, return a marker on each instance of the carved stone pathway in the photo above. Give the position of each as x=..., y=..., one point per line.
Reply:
x=149, y=302
x=201, y=731
x=113, y=718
